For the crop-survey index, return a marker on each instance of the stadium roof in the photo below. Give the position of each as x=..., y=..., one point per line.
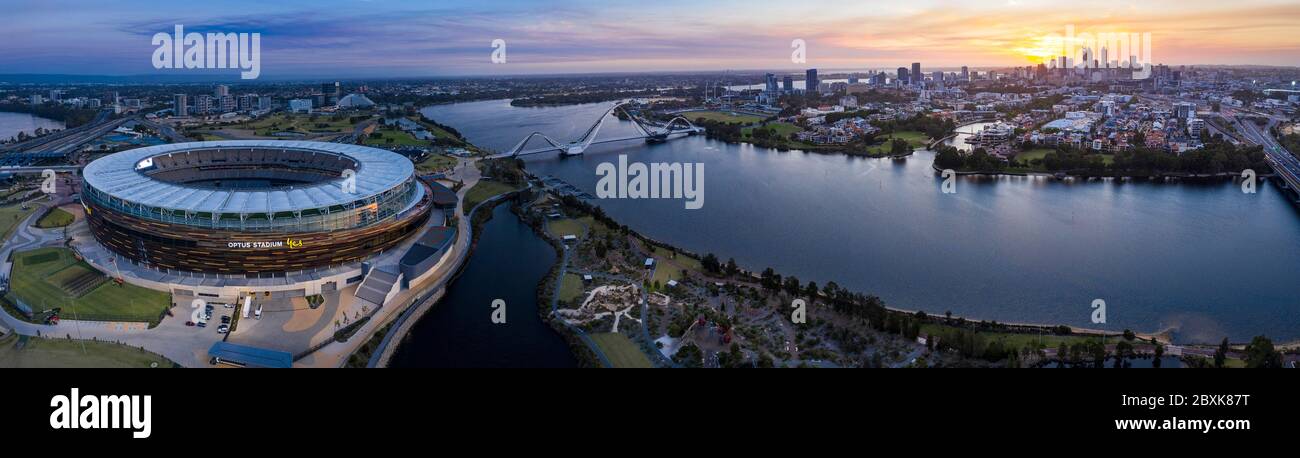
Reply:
x=377, y=171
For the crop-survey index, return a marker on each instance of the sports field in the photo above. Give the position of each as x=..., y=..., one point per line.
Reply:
x=620, y=350
x=45, y=278
x=721, y=116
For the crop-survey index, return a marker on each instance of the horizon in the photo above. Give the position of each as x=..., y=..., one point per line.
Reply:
x=368, y=40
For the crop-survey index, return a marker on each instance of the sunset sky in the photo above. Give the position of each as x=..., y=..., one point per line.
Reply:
x=359, y=38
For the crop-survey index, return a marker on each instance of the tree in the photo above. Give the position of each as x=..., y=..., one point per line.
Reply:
x=1129, y=335
x=1260, y=353
x=732, y=268
x=711, y=264
x=1160, y=352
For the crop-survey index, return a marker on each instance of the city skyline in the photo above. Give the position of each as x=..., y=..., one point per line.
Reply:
x=409, y=39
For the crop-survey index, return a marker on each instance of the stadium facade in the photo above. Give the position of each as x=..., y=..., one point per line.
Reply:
x=253, y=208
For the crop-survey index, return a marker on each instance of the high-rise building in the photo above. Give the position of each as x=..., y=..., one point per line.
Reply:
x=1195, y=126
x=771, y=83
x=178, y=105
x=36, y=99
x=903, y=77
x=227, y=104
x=263, y=103
x=55, y=95
x=330, y=93
x=247, y=102
x=787, y=84
x=810, y=81
x=1185, y=110
x=916, y=73
x=220, y=91
x=965, y=73
x=203, y=104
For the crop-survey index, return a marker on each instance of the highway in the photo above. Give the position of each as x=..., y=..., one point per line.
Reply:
x=1283, y=162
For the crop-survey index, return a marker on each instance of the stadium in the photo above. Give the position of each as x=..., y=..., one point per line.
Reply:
x=253, y=208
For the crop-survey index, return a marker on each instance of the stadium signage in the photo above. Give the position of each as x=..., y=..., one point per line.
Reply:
x=290, y=243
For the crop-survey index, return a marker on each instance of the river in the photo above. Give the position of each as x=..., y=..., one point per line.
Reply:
x=1204, y=260
x=13, y=123
x=508, y=263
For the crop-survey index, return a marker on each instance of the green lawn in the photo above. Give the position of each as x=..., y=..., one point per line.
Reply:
x=484, y=190
x=721, y=116
x=289, y=122
x=1014, y=340
x=571, y=290
x=64, y=353
x=914, y=139
x=11, y=215
x=780, y=129
x=436, y=161
x=620, y=350
x=56, y=217
x=393, y=137
x=1034, y=154
x=35, y=281
x=566, y=226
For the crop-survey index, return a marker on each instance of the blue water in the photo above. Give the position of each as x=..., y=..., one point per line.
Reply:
x=508, y=263
x=1204, y=260
x=13, y=123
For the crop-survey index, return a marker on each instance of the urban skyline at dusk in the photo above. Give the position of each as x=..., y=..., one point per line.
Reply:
x=396, y=39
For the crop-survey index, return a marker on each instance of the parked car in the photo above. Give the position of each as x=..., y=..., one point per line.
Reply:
x=189, y=323
x=225, y=319
x=258, y=313
x=201, y=324
x=223, y=329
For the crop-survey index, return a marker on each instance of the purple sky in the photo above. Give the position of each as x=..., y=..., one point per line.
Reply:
x=399, y=38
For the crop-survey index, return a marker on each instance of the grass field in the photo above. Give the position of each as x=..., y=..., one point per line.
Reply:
x=566, y=226
x=721, y=116
x=620, y=350
x=57, y=217
x=397, y=137
x=484, y=190
x=64, y=353
x=1012, y=340
x=671, y=268
x=1034, y=154
x=35, y=280
x=914, y=139
x=11, y=215
x=781, y=129
x=436, y=162
x=571, y=289
x=302, y=123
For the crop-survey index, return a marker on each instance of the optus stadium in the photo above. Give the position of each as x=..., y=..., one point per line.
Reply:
x=252, y=207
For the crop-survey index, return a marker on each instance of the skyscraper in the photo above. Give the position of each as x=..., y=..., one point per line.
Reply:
x=903, y=77
x=916, y=73
x=810, y=80
x=787, y=84
x=771, y=83
x=220, y=91
x=965, y=73
x=178, y=105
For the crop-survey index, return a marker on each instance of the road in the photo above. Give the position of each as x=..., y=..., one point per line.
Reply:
x=1283, y=162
